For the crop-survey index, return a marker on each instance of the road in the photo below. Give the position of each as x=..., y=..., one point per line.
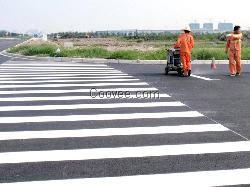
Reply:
x=195, y=133
x=5, y=44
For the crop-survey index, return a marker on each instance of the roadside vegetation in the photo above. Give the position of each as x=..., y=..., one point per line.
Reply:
x=143, y=47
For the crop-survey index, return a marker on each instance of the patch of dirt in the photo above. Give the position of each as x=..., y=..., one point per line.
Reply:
x=110, y=44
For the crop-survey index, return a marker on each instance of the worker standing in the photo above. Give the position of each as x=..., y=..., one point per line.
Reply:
x=186, y=43
x=233, y=46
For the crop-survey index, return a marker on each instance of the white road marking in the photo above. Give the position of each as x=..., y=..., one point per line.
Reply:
x=8, y=75
x=2, y=71
x=81, y=133
x=10, y=64
x=203, y=78
x=66, y=78
x=40, y=91
x=62, y=81
x=124, y=152
x=99, y=117
x=89, y=106
x=72, y=85
x=191, y=179
x=55, y=68
x=69, y=98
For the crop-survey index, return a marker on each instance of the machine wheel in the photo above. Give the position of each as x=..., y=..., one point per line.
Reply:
x=166, y=70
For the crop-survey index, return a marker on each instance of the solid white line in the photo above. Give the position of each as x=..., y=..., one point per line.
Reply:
x=81, y=133
x=72, y=85
x=55, y=71
x=68, y=98
x=5, y=55
x=89, y=106
x=99, y=117
x=7, y=75
x=55, y=78
x=123, y=152
x=72, y=81
x=203, y=78
x=77, y=91
x=188, y=179
x=56, y=68
x=52, y=64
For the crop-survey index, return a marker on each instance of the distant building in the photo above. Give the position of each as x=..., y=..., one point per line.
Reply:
x=224, y=27
x=208, y=27
x=194, y=26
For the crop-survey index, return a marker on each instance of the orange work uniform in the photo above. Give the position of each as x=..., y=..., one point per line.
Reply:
x=234, y=46
x=186, y=43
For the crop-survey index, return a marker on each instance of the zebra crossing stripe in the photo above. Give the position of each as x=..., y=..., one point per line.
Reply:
x=123, y=152
x=73, y=85
x=56, y=68
x=80, y=133
x=40, y=91
x=53, y=81
x=89, y=106
x=51, y=65
x=193, y=179
x=66, y=78
x=99, y=117
x=8, y=75
x=71, y=98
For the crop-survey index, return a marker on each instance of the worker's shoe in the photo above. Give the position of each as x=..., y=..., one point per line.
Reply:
x=189, y=73
x=185, y=74
x=237, y=74
x=232, y=75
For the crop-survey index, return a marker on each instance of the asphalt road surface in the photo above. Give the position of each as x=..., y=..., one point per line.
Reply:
x=5, y=44
x=159, y=131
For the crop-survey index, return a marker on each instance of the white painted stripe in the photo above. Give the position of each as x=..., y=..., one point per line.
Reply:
x=124, y=152
x=89, y=106
x=99, y=117
x=5, y=55
x=52, y=64
x=203, y=78
x=7, y=75
x=58, y=71
x=8, y=71
x=188, y=179
x=68, y=98
x=56, y=68
x=62, y=81
x=72, y=85
x=76, y=91
x=55, y=78
x=81, y=133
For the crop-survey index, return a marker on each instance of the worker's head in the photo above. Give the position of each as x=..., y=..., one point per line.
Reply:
x=186, y=31
x=237, y=29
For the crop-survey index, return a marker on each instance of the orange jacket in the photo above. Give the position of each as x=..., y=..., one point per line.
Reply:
x=234, y=42
x=185, y=42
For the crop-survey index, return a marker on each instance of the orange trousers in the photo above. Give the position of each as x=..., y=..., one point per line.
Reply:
x=234, y=61
x=186, y=61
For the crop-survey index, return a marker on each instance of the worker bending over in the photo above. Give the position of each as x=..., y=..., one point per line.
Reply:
x=186, y=43
x=234, y=48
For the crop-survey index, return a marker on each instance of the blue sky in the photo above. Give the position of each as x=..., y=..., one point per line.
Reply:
x=90, y=15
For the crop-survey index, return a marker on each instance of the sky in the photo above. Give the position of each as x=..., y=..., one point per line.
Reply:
x=91, y=15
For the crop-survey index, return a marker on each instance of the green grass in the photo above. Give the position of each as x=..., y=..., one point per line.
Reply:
x=203, y=51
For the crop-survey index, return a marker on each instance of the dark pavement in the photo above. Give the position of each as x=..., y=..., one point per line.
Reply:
x=225, y=101
x=196, y=134
x=5, y=44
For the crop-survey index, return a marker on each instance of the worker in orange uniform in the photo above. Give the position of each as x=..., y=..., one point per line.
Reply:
x=234, y=48
x=186, y=43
